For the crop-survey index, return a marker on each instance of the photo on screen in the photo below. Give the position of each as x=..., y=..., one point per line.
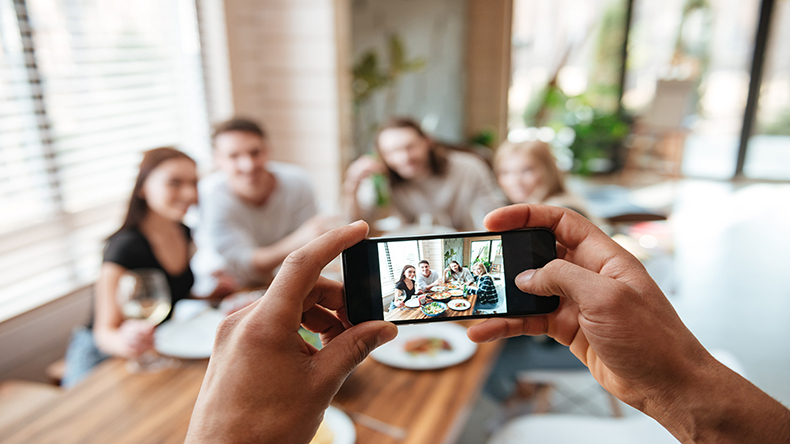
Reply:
x=442, y=278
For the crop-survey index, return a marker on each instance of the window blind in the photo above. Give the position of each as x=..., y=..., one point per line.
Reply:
x=86, y=87
x=398, y=254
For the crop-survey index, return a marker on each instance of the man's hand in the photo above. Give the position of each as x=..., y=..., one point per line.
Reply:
x=618, y=322
x=359, y=170
x=264, y=382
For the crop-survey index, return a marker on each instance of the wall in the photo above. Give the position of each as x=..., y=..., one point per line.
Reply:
x=433, y=29
x=33, y=340
x=488, y=66
x=286, y=70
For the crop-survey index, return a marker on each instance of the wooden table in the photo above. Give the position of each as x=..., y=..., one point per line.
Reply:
x=433, y=406
x=407, y=313
x=113, y=406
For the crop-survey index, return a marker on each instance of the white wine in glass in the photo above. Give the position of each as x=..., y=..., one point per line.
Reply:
x=145, y=295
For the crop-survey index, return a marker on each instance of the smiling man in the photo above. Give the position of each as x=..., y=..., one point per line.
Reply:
x=253, y=211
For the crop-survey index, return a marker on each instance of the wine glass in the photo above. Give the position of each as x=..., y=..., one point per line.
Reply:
x=145, y=295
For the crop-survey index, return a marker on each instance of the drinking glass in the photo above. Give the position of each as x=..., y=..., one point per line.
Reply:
x=143, y=294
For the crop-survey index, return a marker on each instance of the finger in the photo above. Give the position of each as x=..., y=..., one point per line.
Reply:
x=570, y=228
x=319, y=320
x=297, y=277
x=562, y=278
x=348, y=349
x=499, y=328
x=327, y=293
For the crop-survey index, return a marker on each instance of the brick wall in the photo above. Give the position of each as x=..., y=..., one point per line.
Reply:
x=287, y=69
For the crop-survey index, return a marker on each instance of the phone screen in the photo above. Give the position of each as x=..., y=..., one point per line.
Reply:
x=448, y=277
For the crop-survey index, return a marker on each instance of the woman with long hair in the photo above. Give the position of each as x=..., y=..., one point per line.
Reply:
x=422, y=177
x=457, y=274
x=527, y=172
x=484, y=287
x=152, y=236
x=404, y=288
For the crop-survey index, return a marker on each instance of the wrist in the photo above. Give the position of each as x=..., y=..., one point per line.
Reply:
x=713, y=404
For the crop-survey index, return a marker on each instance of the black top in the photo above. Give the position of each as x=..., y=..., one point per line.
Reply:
x=130, y=249
x=409, y=293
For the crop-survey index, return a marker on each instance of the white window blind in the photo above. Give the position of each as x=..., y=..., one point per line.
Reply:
x=86, y=87
x=393, y=256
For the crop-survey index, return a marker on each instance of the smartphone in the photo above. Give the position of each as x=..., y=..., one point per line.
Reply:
x=448, y=277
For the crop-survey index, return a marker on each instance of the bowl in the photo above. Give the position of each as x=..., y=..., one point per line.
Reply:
x=438, y=308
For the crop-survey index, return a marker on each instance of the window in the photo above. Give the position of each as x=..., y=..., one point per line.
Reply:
x=86, y=87
x=486, y=250
x=393, y=256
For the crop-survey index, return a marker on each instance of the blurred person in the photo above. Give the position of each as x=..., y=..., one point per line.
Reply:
x=426, y=278
x=527, y=172
x=253, y=211
x=152, y=236
x=405, y=287
x=457, y=274
x=612, y=314
x=456, y=188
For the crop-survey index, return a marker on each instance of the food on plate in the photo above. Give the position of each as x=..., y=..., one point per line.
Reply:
x=324, y=434
x=441, y=295
x=456, y=292
x=459, y=304
x=434, y=308
x=439, y=288
x=426, y=346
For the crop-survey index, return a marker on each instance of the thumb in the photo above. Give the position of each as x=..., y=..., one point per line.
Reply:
x=563, y=278
x=343, y=353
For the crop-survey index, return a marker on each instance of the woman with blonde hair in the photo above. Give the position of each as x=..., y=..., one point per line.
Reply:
x=527, y=172
x=484, y=287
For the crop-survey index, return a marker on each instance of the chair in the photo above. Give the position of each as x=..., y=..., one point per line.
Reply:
x=659, y=135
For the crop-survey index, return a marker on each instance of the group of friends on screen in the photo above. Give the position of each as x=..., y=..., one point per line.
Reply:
x=253, y=211
x=411, y=283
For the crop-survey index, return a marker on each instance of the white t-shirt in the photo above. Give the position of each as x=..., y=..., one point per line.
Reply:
x=423, y=282
x=460, y=198
x=229, y=230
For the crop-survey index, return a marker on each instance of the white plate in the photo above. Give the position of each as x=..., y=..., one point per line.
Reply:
x=341, y=426
x=459, y=304
x=191, y=339
x=394, y=355
x=413, y=303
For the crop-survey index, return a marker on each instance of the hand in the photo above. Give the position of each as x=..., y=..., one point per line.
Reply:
x=312, y=229
x=360, y=169
x=226, y=285
x=612, y=314
x=264, y=383
x=133, y=338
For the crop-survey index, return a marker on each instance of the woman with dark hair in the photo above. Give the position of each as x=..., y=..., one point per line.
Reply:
x=404, y=288
x=456, y=188
x=152, y=236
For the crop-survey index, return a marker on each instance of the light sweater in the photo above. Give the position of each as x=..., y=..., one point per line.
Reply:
x=459, y=199
x=229, y=230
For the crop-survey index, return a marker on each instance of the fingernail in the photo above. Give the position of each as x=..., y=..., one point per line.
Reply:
x=525, y=276
x=387, y=333
x=355, y=223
